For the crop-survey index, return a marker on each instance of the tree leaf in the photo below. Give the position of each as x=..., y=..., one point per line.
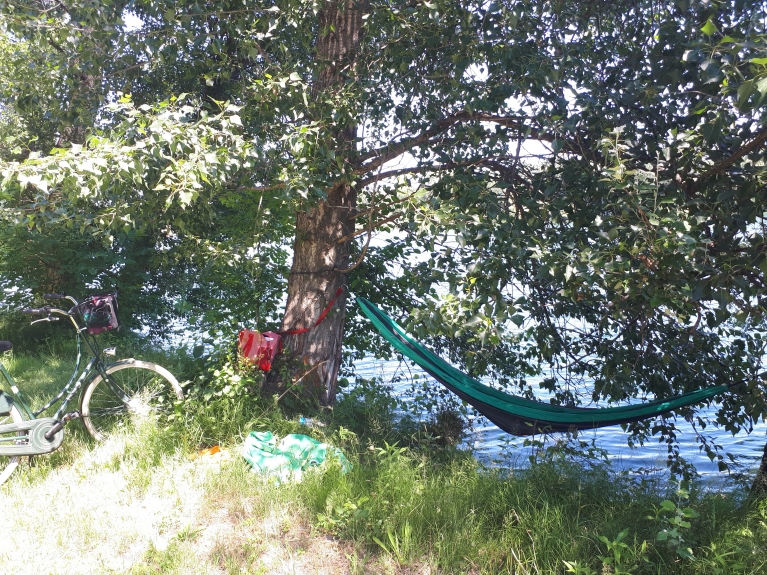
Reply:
x=709, y=28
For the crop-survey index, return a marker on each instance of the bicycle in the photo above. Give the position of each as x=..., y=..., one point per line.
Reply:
x=112, y=393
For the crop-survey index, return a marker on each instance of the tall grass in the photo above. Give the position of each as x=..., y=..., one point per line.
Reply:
x=458, y=517
x=415, y=502
x=408, y=503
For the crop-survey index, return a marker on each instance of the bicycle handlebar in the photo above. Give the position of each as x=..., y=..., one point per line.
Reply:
x=62, y=295
x=37, y=310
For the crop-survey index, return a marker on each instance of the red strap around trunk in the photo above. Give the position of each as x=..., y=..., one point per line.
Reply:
x=323, y=315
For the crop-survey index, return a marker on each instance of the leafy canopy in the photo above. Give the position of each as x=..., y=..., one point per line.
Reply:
x=577, y=187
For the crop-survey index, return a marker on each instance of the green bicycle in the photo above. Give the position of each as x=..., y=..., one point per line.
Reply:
x=112, y=395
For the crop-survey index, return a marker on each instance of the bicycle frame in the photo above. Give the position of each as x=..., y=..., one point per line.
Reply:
x=34, y=435
x=16, y=392
x=75, y=383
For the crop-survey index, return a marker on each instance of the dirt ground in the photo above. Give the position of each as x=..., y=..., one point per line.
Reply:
x=102, y=514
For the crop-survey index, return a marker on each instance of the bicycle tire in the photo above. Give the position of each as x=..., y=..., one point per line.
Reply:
x=152, y=387
x=9, y=464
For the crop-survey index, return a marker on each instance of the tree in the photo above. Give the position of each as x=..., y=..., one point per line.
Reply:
x=583, y=181
x=200, y=274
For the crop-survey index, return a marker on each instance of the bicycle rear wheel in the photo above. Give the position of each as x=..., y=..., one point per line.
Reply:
x=151, y=391
x=9, y=464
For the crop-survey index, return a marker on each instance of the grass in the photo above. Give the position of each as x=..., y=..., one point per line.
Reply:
x=138, y=504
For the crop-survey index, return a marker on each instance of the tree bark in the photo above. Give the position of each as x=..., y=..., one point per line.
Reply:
x=759, y=487
x=311, y=360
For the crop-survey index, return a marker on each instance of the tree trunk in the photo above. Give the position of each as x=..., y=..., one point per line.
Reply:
x=759, y=487
x=311, y=360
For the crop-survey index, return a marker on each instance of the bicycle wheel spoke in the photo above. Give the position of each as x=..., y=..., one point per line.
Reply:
x=148, y=389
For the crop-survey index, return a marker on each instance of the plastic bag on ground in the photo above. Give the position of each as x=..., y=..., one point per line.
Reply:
x=286, y=460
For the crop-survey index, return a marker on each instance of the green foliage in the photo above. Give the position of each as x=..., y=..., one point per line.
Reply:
x=131, y=173
x=417, y=507
x=578, y=569
x=369, y=408
x=620, y=559
x=447, y=426
x=675, y=520
x=28, y=101
x=221, y=402
x=579, y=190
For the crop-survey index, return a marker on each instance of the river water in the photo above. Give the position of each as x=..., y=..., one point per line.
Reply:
x=495, y=447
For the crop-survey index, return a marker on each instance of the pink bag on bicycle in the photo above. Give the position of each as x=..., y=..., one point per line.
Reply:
x=99, y=312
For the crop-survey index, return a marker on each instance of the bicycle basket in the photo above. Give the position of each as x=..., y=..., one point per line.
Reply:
x=99, y=312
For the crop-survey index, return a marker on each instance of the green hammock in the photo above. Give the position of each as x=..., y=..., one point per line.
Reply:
x=517, y=415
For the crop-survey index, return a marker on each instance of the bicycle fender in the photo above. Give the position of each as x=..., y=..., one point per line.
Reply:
x=141, y=363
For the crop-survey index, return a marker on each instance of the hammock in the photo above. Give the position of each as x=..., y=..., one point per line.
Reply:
x=517, y=415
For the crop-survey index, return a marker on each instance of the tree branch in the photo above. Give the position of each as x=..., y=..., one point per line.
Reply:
x=123, y=70
x=261, y=188
x=370, y=228
x=359, y=259
x=392, y=150
x=760, y=139
x=56, y=46
x=403, y=171
x=387, y=153
x=488, y=162
x=379, y=208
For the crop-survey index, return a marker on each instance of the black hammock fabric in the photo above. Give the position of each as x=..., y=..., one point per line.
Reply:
x=517, y=415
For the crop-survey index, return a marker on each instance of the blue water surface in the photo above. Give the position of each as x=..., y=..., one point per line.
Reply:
x=495, y=447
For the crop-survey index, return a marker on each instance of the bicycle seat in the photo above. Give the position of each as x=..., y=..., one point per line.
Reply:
x=5, y=346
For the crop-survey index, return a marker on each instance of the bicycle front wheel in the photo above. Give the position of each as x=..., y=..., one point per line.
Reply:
x=150, y=392
x=9, y=464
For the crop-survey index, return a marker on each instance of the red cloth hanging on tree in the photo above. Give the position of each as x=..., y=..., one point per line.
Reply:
x=262, y=348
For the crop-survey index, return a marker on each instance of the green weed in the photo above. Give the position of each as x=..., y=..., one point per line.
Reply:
x=407, y=500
